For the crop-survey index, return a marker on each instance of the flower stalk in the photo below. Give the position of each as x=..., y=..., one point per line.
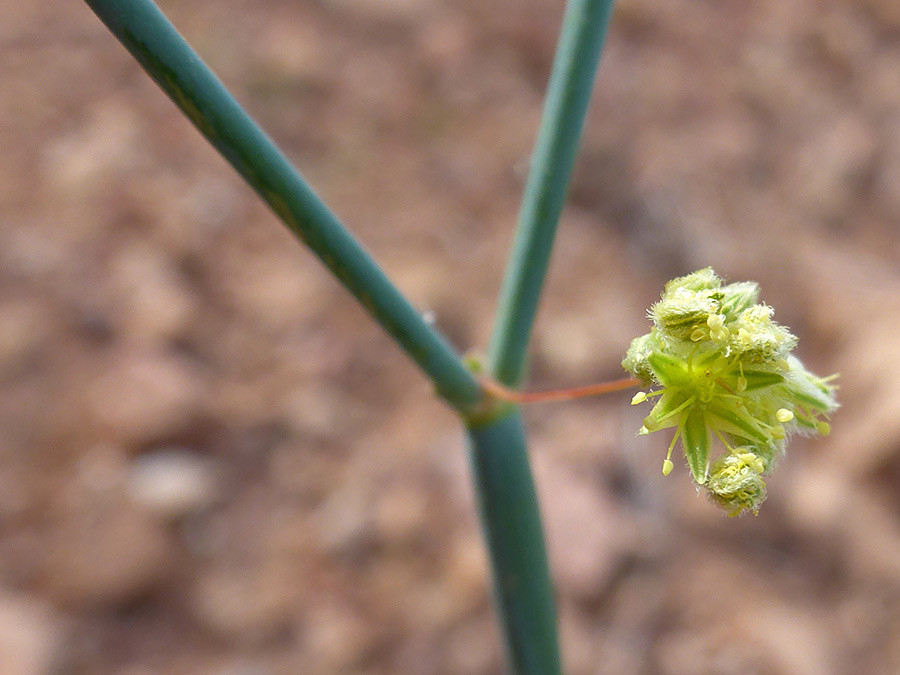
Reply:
x=502, y=393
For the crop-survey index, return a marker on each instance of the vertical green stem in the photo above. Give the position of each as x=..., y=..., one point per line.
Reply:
x=179, y=71
x=511, y=521
x=509, y=508
x=568, y=94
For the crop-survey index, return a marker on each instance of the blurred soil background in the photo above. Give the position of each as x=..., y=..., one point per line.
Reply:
x=213, y=463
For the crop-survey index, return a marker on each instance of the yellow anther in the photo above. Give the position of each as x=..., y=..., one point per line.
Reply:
x=639, y=397
x=741, y=384
x=752, y=461
x=718, y=334
x=784, y=415
x=667, y=466
x=698, y=334
x=651, y=424
x=823, y=428
x=715, y=321
x=744, y=336
x=777, y=432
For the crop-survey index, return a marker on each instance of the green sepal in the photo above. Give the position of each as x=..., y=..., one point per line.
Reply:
x=695, y=441
x=760, y=379
x=806, y=389
x=701, y=280
x=737, y=297
x=737, y=425
x=664, y=415
x=670, y=371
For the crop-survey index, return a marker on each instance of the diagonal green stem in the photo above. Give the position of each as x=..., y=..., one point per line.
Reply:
x=175, y=67
x=568, y=94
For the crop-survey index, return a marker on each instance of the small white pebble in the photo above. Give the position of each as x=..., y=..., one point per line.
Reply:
x=172, y=483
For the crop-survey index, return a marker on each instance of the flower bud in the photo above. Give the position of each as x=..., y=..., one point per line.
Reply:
x=736, y=484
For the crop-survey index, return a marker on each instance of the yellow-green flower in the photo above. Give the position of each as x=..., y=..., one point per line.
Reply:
x=721, y=370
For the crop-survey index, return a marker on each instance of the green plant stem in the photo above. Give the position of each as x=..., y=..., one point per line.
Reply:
x=142, y=28
x=509, y=509
x=511, y=523
x=568, y=94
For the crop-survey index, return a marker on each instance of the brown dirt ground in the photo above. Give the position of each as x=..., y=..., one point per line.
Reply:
x=211, y=462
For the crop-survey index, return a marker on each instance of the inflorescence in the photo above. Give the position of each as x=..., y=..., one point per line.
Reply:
x=720, y=368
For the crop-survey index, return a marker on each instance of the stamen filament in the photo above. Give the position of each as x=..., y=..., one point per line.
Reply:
x=722, y=438
x=667, y=462
x=677, y=410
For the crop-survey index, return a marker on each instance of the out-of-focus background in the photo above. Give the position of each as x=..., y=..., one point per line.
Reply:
x=213, y=463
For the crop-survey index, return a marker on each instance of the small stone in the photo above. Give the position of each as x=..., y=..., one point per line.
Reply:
x=151, y=302
x=142, y=395
x=401, y=512
x=343, y=522
x=98, y=475
x=303, y=471
x=31, y=637
x=172, y=483
x=472, y=648
x=467, y=571
x=106, y=555
x=245, y=606
x=790, y=638
x=273, y=290
x=105, y=144
x=579, y=634
x=23, y=327
x=336, y=638
x=319, y=410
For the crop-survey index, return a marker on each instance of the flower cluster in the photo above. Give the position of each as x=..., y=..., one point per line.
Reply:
x=720, y=368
